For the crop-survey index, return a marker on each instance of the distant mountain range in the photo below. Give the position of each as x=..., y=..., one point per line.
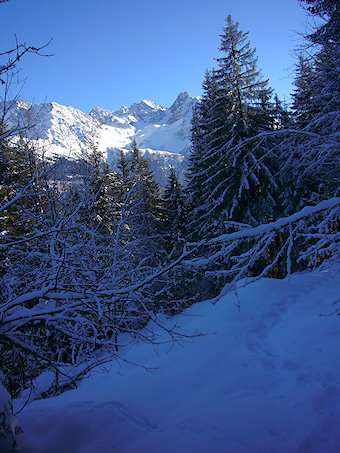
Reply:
x=162, y=134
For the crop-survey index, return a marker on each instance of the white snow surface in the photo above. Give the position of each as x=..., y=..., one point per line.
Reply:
x=64, y=130
x=265, y=378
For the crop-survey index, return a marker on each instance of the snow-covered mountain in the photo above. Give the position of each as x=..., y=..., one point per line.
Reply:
x=162, y=134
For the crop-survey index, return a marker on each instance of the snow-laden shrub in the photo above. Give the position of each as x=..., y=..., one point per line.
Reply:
x=9, y=426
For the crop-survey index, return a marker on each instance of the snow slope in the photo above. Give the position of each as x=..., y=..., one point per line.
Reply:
x=162, y=134
x=265, y=378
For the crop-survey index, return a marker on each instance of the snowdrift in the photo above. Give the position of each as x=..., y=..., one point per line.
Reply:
x=264, y=378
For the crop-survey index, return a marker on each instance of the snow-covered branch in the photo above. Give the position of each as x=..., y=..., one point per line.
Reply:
x=277, y=248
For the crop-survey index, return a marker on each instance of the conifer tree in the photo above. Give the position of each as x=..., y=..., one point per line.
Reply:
x=124, y=171
x=102, y=189
x=236, y=172
x=303, y=94
x=250, y=194
x=140, y=227
x=208, y=135
x=146, y=193
x=310, y=160
x=281, y=114
x=238, y=74
x=174, y=211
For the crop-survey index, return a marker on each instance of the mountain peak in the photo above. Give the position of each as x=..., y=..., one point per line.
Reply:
x=181, y=107
x=184, y=95
x=181, y=99
x=147, y=111
x=153, y=105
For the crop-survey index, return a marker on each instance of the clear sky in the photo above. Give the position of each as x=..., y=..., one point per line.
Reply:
x=114, y=52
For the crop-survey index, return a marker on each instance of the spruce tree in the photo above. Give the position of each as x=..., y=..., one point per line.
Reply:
x=235, y=170
x=238, y=74
x=249, y=194
x=282, y=116
x=303, y=94
x=174, y=211
x=310, y=160
x=146, y=193
x=208, y=135
x=124, y=171
x=102, y=188
x=141, y=225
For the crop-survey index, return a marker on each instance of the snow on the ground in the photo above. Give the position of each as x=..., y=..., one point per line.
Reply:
x=266, y=379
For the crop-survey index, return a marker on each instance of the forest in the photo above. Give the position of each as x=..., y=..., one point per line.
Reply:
x=97, y=258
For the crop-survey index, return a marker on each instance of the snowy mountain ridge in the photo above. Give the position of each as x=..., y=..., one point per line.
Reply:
x=162, y=134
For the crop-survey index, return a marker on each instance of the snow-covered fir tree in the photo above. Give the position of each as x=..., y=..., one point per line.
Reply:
x=206, y=160
x=310, y=155
x=143, y=210
x=103, y=190
x=175, y=213
x=233, y=181
x=282, y=115
x=302, y=97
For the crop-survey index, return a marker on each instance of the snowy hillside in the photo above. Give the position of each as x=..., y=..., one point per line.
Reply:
x=264, y=379
x=162, y=134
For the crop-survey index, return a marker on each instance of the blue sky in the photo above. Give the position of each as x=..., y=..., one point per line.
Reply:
x=115, y=52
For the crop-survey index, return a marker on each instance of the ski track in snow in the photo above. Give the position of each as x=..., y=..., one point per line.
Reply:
x=267, y=381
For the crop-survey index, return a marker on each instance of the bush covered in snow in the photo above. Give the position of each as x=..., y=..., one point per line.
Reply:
x=9, y=426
